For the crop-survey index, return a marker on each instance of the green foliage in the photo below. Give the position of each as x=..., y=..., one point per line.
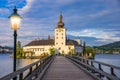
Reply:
x=71, y=51
x=88, y=52
x=52, y=51
x=42, y=55
x=28, y=54
x=89, y=49
x=20, y=53
x=108, y=48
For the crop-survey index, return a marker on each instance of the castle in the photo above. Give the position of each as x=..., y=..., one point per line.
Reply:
x=60, y=43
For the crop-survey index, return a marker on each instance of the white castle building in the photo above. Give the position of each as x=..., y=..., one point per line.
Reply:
x=60, y=43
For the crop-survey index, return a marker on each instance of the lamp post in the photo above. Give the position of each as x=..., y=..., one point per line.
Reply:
x=15, y=20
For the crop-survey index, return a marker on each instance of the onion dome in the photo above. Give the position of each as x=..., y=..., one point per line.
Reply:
x=60, y=23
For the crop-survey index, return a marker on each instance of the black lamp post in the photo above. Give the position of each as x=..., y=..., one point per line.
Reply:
x=15, y=20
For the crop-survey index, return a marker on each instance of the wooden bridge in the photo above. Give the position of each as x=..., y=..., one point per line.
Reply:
x=65, y=68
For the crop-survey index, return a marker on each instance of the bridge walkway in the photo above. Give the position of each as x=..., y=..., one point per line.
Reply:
x=62, y=69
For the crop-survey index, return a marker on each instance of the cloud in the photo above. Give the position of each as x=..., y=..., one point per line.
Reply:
x=84, y=32
x=26, y=7
x=99, y=14
x=99, y=34
x=96, y=19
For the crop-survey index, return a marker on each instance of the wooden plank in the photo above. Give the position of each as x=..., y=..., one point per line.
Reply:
x=40, y=76
x=62, y=69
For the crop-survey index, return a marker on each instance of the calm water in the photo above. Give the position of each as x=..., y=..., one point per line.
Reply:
x=6, y=63
x=109, y=59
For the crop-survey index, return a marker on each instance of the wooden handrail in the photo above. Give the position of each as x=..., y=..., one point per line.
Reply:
x=109, y=65
x=19, y=74
x=89, y=65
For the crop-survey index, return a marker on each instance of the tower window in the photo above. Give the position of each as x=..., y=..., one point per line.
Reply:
x=69, y=48
x=56, y=37
x=56, y=43
x=59, y=48
x=62, y=43
x=56, y=33
x=62, y=33
x=62, y=37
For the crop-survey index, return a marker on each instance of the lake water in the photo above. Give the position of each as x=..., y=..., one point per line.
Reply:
x=6, y=63
x=113, y=59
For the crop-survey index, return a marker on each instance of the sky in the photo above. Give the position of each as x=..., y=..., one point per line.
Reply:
x=96, y=22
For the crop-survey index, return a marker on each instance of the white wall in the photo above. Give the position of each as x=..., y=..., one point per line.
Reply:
x=38, y=49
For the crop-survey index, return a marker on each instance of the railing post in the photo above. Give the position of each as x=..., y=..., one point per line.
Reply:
x=15, y=78
x=92, y=64
x=83, y=61
x=37, y=65
x=100, y=69
x=40, y=67
x=108, y=78
x=87, y=62
x=112, y=71
x=21, y=76
x=80, y=58
x=99, y=66
x=30, y=70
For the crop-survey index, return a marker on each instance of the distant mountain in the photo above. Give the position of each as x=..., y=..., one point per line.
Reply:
x=6, y=49
x=114, y=45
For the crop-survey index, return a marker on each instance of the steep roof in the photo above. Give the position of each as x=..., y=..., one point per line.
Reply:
x=50, y=42
x=41, y=42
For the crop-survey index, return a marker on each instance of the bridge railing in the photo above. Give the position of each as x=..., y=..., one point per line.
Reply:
x=97, y=68
x=29, y=72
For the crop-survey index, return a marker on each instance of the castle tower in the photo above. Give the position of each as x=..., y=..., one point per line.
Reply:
x=79, y=41
x=60, y=35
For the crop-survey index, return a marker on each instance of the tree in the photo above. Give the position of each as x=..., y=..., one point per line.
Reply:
x=71, y=51
x=52, y=51
x=89, y=51
x=20, y=51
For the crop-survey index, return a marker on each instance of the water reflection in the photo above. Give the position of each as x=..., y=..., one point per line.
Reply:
x=24, y=62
